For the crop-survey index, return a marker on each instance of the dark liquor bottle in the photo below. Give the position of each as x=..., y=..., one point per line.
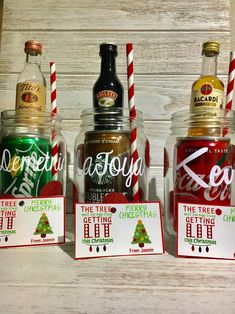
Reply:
x=108, y=90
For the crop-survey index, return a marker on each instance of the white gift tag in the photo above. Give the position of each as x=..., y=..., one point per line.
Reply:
x=32, y=221
x=118, y=229
x=206, y=231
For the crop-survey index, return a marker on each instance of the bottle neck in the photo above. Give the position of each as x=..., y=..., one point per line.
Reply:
x=34, y=59
x=209, y=66
x=108, y=64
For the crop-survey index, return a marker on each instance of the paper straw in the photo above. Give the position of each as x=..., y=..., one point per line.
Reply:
x=55, y=148
x=53, y=87
x=230, y=87
x=132, y=109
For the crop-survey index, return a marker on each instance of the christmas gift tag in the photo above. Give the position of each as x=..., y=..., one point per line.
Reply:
x=206, y=231
x=118, y=229
x=32, y=221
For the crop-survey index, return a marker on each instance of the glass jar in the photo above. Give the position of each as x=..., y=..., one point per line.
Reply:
x=198, y=169
x=104, y=169
x=33, y=154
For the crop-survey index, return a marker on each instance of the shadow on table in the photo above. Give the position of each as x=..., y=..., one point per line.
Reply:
x=170, y=246
x=68, y=247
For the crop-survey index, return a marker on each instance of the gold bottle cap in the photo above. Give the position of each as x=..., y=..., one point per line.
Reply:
x=210, y=48
x=33, y=45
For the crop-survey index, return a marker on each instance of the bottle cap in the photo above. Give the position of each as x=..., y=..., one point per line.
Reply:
x=210, y=48
x=33, y=46
x=108, y=47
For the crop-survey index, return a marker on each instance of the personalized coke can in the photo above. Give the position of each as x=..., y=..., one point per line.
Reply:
x=25, y=165
x=203, y=172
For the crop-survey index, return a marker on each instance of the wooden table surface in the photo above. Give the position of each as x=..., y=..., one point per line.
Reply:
x=48, y=280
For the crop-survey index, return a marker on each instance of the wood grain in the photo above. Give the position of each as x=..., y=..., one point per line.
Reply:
x=167, y=37
x=155, y=52
x=167, y=56
x=48, y=280
x=117, y=15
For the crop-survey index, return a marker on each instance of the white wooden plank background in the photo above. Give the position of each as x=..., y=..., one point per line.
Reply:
x=48, y=280
x=167, y=37
x=116, y=15
x=156, y=52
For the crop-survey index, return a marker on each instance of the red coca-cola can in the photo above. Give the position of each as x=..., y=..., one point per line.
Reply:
x=203, y=172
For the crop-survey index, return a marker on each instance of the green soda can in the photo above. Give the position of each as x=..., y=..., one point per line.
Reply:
x=25, y=165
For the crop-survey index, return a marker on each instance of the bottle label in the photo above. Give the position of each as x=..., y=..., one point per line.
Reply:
x=30, y=95
x=206, y=97
x=106, y=98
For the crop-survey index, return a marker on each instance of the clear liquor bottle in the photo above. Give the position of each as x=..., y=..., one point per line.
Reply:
x=207, y=95
x=31, y=83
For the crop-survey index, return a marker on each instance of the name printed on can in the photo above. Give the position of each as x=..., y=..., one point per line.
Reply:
x=192, y=181
x=15, y=163
x=113, y=165
x=216, y=171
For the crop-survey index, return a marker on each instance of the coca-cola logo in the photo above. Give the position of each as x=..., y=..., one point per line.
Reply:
x=206, y=89
x=215, y=185
x=29, y=97
x=187, y=184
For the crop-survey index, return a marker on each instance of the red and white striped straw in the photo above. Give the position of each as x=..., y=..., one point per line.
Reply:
x=53, y=87
x=230, y=87
x=131, y=102
x=55, y=148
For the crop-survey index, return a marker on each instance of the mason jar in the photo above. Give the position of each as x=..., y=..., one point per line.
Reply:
x=105, y=170
x=32, y=154
x=198, y=162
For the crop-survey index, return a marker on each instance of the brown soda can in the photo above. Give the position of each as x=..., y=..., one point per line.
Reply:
x=106, y=164
x=203, y=172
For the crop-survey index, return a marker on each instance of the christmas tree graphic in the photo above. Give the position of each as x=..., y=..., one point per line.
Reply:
x=140, y=237
x=43, y=227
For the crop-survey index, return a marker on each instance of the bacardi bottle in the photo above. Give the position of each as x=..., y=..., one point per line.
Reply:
x=207, y=95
